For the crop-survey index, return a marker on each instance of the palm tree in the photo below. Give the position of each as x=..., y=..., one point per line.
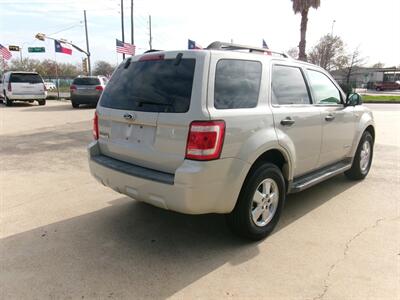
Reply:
x=302, y=6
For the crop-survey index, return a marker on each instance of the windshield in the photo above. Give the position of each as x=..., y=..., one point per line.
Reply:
x=154, y=86
x=23, y=77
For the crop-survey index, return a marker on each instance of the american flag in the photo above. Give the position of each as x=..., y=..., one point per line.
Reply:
x=5, y=53
x=125, y=48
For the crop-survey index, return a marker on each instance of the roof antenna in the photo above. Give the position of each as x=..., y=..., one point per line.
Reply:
x=178, y=59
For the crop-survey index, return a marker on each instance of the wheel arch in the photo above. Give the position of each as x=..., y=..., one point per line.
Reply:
x=370, y=128
x=276, y=156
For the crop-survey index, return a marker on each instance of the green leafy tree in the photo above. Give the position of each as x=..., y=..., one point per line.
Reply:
x=302, y=7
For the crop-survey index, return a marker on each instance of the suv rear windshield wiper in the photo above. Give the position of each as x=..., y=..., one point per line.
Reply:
x=145, y=101
x=142, y=101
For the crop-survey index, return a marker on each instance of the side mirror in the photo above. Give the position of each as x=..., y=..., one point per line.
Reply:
x=353, y=99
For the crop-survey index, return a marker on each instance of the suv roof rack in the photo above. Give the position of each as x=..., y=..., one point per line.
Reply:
x=230, y=46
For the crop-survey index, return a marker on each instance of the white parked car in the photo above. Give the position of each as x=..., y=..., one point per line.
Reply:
x=23, y=86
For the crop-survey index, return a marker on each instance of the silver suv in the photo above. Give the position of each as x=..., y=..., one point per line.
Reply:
x=230, y=129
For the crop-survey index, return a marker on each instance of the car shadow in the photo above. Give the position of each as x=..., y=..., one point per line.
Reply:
x=63, y=107
x=133, y=250
x=22, y=104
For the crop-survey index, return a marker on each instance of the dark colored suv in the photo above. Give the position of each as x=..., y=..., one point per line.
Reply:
x=87, y=90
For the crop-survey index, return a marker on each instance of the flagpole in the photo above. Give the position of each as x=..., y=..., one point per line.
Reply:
x=58, y=81
x=122, y=25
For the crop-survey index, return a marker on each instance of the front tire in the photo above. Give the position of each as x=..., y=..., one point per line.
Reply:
x=259, y=204
x=363, y=158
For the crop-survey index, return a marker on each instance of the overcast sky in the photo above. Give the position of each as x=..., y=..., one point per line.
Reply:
x=373, y=26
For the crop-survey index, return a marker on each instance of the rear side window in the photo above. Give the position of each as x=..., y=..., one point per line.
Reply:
x=153, y=86
x=288, y=86
x=23, y=78
x=86, y=81
x=237, y=84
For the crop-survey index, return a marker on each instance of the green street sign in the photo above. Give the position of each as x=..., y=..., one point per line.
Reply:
x=36, y=49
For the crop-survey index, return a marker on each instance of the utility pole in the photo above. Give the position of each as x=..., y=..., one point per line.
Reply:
x=87, y=44
x=122, y=25
x=333, y=23
x=151, y=38
x=132, y=28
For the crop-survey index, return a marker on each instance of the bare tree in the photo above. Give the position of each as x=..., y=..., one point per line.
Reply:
x=354, y=60
x=103, y=68
x=328, y=53
x=302, y=7
x=46, y=68
x=378, y=65
x=293, y=52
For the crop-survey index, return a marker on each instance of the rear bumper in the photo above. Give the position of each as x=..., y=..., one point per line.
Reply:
x=26, y=97
x=85, y=99
x=195, y=188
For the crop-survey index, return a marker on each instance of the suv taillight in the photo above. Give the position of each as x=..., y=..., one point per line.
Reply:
x=72, y=88
x=99, y=88
x=9, y=87
x=205, y=140
x=96, y=126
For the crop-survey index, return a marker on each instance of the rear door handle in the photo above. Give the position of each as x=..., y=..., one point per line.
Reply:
x=288, y=121
x=329, y=118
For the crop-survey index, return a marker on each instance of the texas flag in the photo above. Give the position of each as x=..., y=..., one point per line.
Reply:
x=62, y=49
x=193, y=45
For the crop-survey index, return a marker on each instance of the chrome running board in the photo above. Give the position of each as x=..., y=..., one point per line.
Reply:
x=304, y=182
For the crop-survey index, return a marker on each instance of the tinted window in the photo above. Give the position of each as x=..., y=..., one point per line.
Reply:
x=158, y=86
x=86, y=81
x=237, y=84
x=21, y=77
x=288, y=86
x=324, y=91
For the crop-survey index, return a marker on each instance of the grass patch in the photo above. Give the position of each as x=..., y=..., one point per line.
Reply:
x=379, y=98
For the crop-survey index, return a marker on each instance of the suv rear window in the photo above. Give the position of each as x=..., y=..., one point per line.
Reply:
x=237, y=84
x=153, y=86
x=21, y=77
x=86, y=81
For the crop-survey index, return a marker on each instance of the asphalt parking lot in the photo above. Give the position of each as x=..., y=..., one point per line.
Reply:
x=64, y=236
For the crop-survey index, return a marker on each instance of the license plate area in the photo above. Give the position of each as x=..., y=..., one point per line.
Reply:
x=133, y=134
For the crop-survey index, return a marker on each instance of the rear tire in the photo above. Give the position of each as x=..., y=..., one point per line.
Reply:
x=42, y=102
x=8, y=102
x=259, y=204
x=74, y=104
x=363, y=158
